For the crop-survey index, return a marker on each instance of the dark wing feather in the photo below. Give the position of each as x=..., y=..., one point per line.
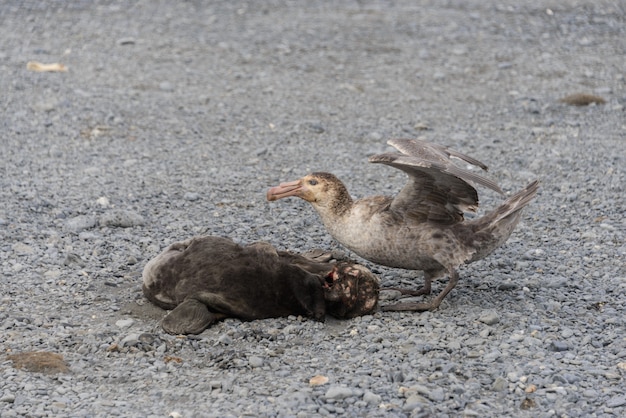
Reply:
x=419, y=148
x=437, y=190
x=429, y=195
x=439, y=157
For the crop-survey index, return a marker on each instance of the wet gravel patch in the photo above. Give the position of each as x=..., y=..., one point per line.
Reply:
x=173, y=119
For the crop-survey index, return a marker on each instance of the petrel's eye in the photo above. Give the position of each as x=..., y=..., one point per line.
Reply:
x=312, y=182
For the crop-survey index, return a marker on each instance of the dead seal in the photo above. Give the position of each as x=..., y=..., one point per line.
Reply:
x=205, y=279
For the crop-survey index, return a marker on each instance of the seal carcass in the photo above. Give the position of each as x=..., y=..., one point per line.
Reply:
x=205, y=279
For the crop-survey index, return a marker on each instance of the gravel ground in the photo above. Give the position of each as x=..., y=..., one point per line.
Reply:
x=175, y=117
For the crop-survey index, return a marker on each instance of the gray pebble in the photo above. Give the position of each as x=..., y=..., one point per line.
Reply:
x=413, y=402
x=88, y=236
x=8, y=398
x=166, y=86
x=616, y=401
x=559, y=346
x=126, y=41
x=507, y=286
x=489, y=317
x=80, y=223
x=371, y=398
x=124, y=323
x=436, y=395
x=338, y=392
x=316, y=128
x=130, y=340
x=389, y=295
x=121, y=218
x=225, y=339
x=492, y=356
x=74, y=259
x=590, y=393
x=499, y=384
x=255, y=361
x=191, y=196
x=21, y=248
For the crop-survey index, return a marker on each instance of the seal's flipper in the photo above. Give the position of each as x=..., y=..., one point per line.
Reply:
x=190, y=317
x=322, y=256
x=318, y=255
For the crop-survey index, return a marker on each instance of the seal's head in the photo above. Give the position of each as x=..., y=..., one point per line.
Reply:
x=350, y=290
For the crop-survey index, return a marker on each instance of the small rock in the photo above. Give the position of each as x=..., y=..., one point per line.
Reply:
x=527, y=403
x=616, y=401
x=130, y=340
x=485, y=333
x=166, y=86
x=559, y=346
x=318, y=380
x=191, y=196
x=414, y=401
x=224, y=339
x=316, y=128
x=454, y=345
x=534, y=254
x=39, y=362
x=558, y=378
x=590, y=393
x=124, y=323
x=8, y=398
x=492, y=356
x=80, y=223
x=507, y=286
x=436, y=395
x=121, y=218
x=499, y=384
x=126, y=41
x=290, y=329
x=52, y=274
x=73, y=259
x=555, y=282
x=571, y=377
x=22, y=248
x=582, y=99
x=147, y=338
x=338, y=392
x=255, y=361
x=390, y=294
x=86, y=236
x=489, y=317
x=395, y=376
x=371, y=398
x=92, y=171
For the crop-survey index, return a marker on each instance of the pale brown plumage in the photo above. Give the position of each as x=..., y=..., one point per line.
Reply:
x=422, y=227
